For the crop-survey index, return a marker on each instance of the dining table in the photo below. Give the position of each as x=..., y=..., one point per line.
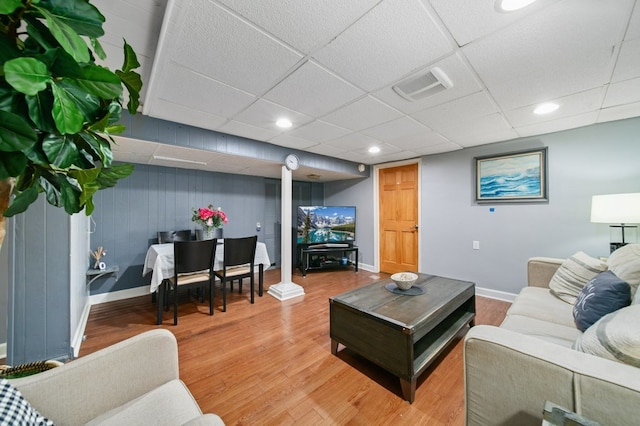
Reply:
x=160, y=262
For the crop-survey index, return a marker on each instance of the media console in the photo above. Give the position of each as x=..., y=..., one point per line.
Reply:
x=327, y=255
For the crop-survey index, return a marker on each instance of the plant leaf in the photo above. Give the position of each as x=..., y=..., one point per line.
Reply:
x=69, y=194
x=66, y=114
x=100, y=146
x=7, y=7
x=64, y=65
x=15, y=132
x=49, y=186
x=8, y=49
x=39, y=33
x=88, y=104
x=109, y=176
x=61, y=151
x=118, y=129
x=130, y=58
x=100, y=82
x=82, y=17
x=133, y=83
x=27, y=75
x=40, y=107
x=97, y=48
x=66, y=36
x=12, y=164
x=22, y=201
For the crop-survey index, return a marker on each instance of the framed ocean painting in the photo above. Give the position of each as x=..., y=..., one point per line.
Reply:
x=513, y=177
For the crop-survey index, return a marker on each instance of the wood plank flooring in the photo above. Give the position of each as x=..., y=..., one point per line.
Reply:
x=270, y=363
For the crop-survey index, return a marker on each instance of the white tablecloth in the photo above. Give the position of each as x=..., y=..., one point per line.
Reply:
x=160, y=261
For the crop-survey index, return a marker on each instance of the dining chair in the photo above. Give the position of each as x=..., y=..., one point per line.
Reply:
x=239, y=255
x=193, y=267
x=171, y=236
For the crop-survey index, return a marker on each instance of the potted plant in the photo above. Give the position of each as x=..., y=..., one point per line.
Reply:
x=58, y=107
x=211, y=221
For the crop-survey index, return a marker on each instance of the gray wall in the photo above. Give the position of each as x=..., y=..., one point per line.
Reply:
x=128, y=216
x=592, y=160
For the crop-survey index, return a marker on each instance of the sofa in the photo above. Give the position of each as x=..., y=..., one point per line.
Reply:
x=134, y=382
x=537, y=355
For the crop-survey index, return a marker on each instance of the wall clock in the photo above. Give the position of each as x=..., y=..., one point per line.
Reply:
x=292, y=162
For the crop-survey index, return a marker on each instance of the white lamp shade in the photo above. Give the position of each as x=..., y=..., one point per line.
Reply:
x=616, y=208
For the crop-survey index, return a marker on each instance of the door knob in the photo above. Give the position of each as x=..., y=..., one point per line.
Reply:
x=415, y=227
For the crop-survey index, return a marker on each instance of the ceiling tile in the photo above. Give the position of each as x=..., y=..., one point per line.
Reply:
x=395, y=129
x=579, y=103
x=463, y=79
x=197, y=91
x=619, y=112
x=473, y=106
x=265, y=114
x=428, y=138
x=212, y=41
x=622, y=93
x=303, y=24
x=313, y=90
x=354, y=141
x=437, y=149
x=319, y=131
x=468, y=20
x=364, y=113
x=326, y=149
x=558, y=125
x=628, y=65
x=549, y=55
x=246, y=130
x=289, y=141
x=478, y=131
x=400, y=32
x=181, y=114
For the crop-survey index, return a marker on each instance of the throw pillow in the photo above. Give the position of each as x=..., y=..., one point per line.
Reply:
x=625, y=263
x=615, y=336
x=14, y=409
x=604, y=294
x=573, y=274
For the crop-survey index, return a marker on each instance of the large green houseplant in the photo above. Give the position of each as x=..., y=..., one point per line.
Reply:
x=58, y=108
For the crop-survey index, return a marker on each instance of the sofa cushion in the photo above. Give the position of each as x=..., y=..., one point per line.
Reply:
x=573, y=274
x=559, y=334
x=615, y=336
x=625, y=263
x=604, y=294
x=169, y=404
x=537, y=302
x=15, y=410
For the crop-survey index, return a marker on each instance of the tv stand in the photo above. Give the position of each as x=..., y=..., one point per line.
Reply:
x=327, y=255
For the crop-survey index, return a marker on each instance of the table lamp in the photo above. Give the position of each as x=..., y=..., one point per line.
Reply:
x=618, y=210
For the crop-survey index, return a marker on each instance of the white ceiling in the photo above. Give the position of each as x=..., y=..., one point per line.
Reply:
x=236, y=66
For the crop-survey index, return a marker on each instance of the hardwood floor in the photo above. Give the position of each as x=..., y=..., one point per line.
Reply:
x=271, y=363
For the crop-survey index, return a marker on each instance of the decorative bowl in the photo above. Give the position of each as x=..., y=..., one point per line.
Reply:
x=404, y=280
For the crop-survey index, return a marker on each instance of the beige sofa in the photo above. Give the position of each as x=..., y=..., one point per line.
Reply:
x=134, y=382
x=512, y=370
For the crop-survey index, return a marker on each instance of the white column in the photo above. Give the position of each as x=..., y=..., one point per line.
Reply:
x=285, y=289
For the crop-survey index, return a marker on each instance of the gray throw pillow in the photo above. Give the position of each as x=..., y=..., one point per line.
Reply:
x=602, y=295
x=625, y=263
x=615, y=336
x=573, y=274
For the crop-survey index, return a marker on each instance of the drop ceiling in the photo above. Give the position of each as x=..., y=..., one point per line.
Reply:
x=237, y=66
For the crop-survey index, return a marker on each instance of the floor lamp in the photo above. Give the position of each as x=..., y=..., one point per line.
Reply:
x=618, y=210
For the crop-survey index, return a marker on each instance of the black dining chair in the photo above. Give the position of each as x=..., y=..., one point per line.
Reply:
x=193, y=267
x=171, y=236
x=239, y=255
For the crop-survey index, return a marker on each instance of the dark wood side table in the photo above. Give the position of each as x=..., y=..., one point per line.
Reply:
x=402, y=334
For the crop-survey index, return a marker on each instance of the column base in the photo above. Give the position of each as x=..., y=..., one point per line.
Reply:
x=284, y=291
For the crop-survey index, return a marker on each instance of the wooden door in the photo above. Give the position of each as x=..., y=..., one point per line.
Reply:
x=398, y=195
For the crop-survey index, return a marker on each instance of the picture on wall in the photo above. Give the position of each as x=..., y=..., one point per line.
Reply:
x=513, y=177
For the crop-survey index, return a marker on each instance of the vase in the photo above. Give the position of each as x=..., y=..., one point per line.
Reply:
x=209, y=233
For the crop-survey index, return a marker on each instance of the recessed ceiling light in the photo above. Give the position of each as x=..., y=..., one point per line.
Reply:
x=511, y=5
x=546, y=108
x=374, y=150
x=284, y=123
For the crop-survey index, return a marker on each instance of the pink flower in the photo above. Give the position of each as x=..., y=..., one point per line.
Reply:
x=205, y=213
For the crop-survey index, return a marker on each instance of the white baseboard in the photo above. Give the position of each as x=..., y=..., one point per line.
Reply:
x=3, y=350
x=97, y=299
x=495, y=294
x=369, y=268
x=78, y=338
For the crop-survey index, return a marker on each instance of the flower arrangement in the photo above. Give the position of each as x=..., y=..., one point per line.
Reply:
x=208, y=217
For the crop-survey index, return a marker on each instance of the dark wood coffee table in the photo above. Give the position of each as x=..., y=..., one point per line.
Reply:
x=402, y=334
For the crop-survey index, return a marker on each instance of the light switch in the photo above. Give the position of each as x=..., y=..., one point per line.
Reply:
x=476, y=245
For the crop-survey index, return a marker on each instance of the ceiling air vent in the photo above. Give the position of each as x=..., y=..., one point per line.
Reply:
x=425, y=85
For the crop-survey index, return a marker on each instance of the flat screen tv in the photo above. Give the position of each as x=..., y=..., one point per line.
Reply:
x=326, y=224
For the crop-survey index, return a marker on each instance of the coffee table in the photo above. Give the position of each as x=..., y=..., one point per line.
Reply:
x=402, y=333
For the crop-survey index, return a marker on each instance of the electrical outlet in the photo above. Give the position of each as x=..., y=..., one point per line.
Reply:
x=258, y=226
x=476, y=245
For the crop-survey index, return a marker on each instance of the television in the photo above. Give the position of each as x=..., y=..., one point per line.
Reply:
x=326, y=224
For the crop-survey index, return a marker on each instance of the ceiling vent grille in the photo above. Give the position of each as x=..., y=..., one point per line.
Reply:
x=423, y=86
